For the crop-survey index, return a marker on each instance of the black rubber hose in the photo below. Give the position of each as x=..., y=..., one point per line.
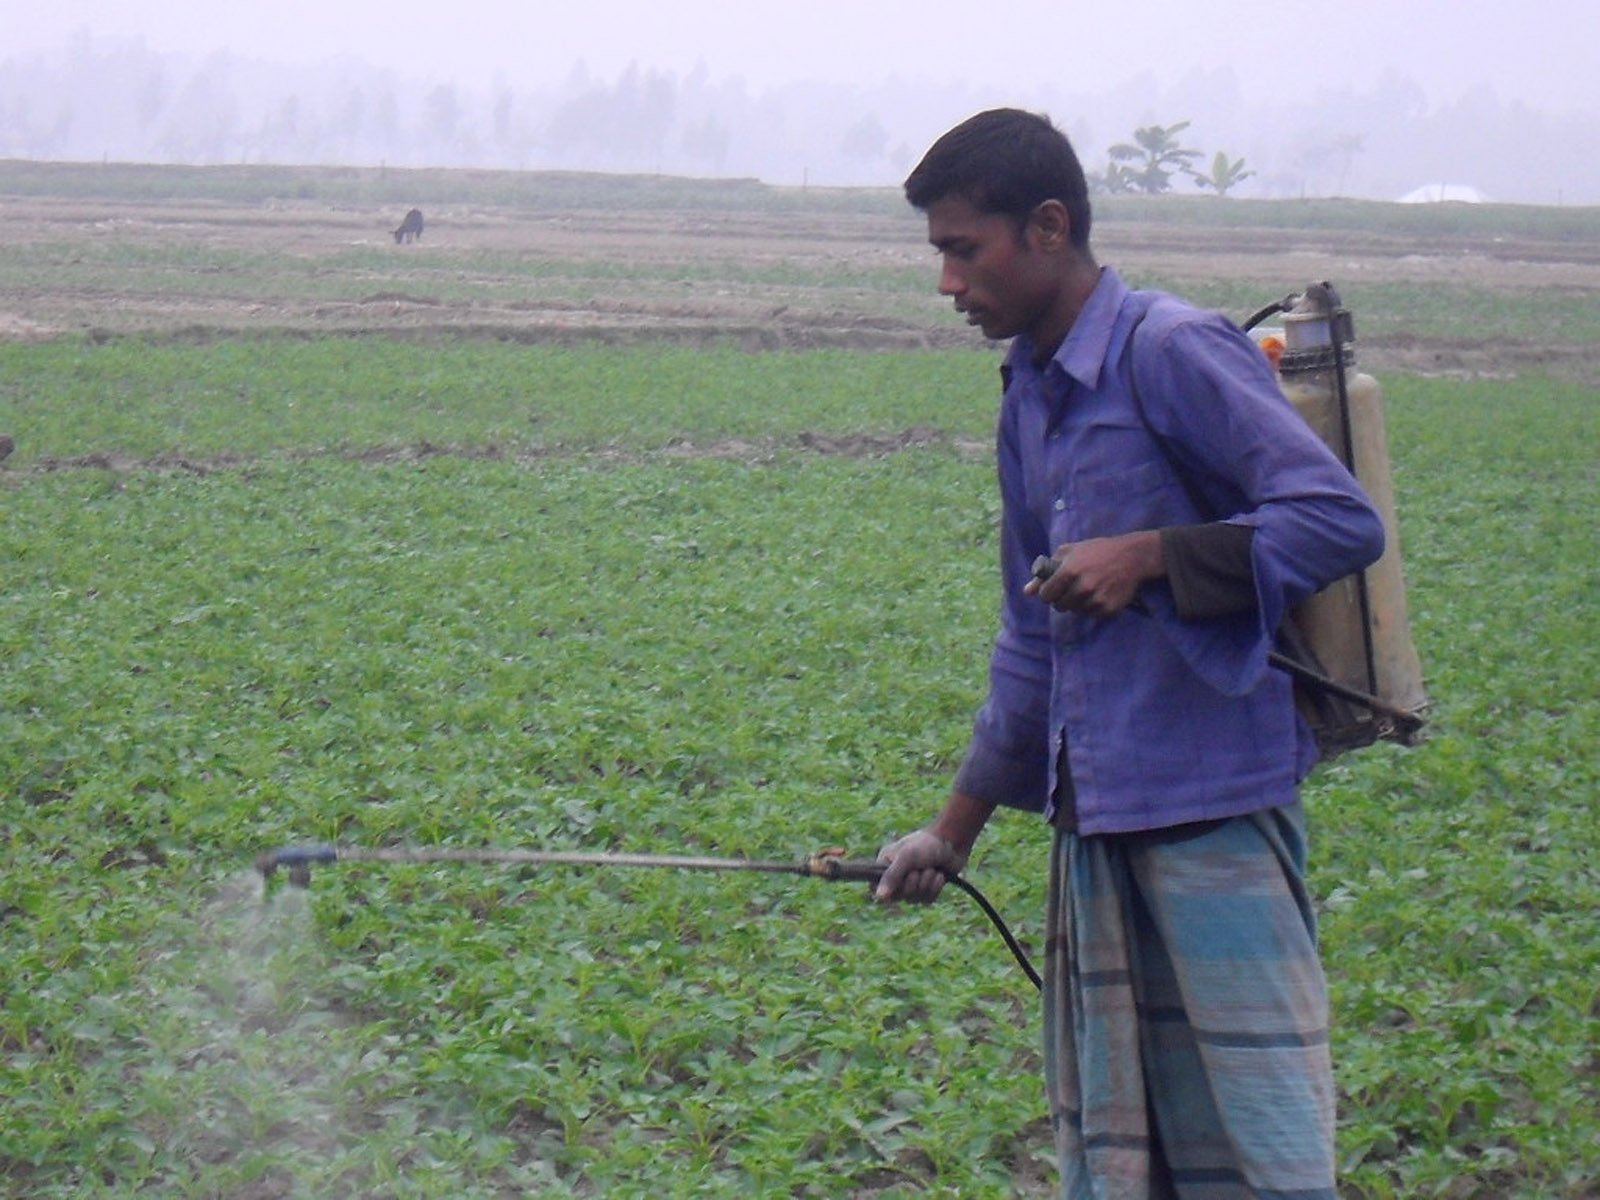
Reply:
x=1277, y=306
x=998, y=922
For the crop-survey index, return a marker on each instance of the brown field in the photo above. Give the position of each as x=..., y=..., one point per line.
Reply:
x=199, y=269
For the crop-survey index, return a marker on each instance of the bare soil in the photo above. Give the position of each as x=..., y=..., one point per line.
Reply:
x=764, y=281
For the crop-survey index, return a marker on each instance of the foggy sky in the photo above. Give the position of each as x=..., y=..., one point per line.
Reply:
x=1542, y=53
x=1366, y=98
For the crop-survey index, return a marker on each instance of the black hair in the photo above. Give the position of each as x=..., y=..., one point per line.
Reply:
x=1005, y=161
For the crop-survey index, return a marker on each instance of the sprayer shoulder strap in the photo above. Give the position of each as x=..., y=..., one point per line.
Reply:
x=1135, y=358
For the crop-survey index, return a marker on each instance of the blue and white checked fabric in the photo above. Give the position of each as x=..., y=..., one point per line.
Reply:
x=1186, y=1015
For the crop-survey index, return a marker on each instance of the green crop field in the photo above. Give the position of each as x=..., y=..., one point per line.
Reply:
x=455, y=588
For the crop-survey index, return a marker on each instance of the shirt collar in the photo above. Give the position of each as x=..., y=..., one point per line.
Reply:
x=1083, y=351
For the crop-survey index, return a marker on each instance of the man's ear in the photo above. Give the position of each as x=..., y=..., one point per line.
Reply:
x=1050, y=223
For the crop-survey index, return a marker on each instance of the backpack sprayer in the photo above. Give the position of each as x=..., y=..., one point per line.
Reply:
x=1349, y=645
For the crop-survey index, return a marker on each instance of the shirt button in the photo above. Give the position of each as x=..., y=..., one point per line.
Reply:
x=1060, y=504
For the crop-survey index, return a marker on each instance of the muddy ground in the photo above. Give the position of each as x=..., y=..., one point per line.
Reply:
x=764, y=280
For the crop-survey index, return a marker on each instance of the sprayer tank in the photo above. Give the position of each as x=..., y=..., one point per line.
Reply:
x=1357, y=628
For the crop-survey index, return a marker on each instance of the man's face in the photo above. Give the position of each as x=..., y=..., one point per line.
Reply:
x=1005, y=284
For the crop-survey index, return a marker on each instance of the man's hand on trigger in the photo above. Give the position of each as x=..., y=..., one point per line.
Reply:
x=1100, y=576
x=918, y=865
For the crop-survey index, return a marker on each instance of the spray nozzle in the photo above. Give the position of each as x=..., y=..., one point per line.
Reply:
x=298, y=859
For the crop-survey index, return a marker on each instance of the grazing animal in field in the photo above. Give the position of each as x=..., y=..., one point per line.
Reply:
x=6, y=446
x=410, y=228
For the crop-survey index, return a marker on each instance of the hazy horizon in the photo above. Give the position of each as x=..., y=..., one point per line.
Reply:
x=1372, y=100
x=1539, y=53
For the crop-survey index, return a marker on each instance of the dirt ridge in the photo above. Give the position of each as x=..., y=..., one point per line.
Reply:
x=754, y=450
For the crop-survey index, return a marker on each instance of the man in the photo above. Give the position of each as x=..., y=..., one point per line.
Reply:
x=1145, y=446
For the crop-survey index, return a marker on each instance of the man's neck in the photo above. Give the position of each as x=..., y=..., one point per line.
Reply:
x=1077, y=286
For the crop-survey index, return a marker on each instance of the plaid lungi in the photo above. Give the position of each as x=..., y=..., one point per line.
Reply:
x=1186, y=1015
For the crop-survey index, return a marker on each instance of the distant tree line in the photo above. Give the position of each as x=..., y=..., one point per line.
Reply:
x=115, y=100
x=99, y=98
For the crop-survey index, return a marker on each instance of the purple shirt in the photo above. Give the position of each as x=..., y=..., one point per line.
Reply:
x=1163, y=721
